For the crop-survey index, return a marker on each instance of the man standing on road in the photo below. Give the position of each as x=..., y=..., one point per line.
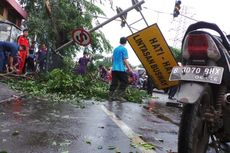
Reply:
x=119, y=74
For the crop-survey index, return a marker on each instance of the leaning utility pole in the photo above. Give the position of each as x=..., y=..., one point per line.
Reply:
x=136, y=5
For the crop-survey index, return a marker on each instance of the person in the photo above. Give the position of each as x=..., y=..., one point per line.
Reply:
x=23, y=42
x=133, y=78
x=150, y=85
x=41, y=57
x=103, y=72
x=172, y=92
x=109, y=75
x=82, y=64
x=119, y=74
x=31, y=58
x=173, y=89
x=11, y=49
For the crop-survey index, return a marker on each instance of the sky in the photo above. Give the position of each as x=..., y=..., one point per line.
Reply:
x=160, y=12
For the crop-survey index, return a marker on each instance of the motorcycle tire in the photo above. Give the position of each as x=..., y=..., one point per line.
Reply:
x=193, y=132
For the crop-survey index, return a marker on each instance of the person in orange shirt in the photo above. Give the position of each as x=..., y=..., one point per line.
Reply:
x=23, y=42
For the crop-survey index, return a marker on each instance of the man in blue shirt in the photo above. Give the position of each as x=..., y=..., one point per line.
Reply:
x=7, y=48
x=119, y=74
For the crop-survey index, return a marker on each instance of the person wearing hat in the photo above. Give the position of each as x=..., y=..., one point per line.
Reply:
x=23, y=42
x=119, y=75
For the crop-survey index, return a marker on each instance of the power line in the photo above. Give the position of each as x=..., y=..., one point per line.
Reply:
x=161, y=12
x=155, y=10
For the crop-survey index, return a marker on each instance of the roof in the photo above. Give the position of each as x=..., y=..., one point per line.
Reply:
x=18, y=8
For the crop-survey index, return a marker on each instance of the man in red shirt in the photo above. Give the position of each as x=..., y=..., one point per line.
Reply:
x=23, y=42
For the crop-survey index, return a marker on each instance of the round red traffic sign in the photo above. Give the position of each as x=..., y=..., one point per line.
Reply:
x=81, y=37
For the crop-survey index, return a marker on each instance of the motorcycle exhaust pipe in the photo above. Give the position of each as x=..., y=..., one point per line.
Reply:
x=227, y=98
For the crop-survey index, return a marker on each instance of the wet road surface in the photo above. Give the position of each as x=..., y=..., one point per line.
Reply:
x=6, y=93
x=34, y=126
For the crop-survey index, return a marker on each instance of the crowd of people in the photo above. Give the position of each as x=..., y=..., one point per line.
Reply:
x=120, y=75
x=22, y=56
x=136, y=78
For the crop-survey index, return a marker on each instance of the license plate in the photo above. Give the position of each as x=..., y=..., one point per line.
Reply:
x=210, y=74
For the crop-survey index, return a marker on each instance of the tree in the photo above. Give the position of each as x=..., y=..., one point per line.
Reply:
x=101, y=60
x=52, y=21
x=176, y=53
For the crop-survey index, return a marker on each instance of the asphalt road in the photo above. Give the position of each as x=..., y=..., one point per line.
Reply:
x=34, y=126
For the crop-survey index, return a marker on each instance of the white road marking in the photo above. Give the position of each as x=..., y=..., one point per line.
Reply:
x=127, y=131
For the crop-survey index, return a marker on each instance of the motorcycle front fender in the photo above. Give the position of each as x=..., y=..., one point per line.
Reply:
x=190, y=92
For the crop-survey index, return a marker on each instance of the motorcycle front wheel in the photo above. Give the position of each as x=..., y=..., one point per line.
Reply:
x=193, y=132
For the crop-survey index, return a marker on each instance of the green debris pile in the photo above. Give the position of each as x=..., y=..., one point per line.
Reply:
x=59, y=85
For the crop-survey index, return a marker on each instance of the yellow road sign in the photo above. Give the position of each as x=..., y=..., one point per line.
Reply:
x=155, y=55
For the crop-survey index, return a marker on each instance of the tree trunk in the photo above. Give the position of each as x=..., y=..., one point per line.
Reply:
x=55, y=60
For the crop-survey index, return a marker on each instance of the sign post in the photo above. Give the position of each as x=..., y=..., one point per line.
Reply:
x=155, y=55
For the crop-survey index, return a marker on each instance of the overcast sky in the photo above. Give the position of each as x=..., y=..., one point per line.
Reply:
x=172, y=29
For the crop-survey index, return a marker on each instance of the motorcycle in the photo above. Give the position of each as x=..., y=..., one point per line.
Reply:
x=204, y=90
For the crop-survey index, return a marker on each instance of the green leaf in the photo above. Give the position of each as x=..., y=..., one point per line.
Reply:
x=147, y=146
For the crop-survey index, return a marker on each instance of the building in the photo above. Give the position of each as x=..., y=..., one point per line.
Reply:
x=10, y=10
